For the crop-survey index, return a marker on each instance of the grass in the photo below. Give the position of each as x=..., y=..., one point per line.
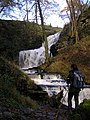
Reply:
x=10, y=97
x=78, y=54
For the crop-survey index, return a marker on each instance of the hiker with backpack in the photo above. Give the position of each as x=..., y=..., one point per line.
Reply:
x=75, y=81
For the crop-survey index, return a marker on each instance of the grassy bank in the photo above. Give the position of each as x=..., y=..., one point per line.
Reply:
x=78, y=53
x=10, y=96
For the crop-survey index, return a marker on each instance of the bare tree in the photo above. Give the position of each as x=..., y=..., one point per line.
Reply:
x=36, y=10
x=43, y=31
x=74, y=9
x=27, y=10
x=73, y=21
x=6, y=6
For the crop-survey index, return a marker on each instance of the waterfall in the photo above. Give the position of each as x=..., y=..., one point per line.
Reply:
x=51, y=83
x=36, y=57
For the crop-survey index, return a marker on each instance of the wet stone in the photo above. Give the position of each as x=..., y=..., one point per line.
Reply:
x=43, y=113
x=7, y=114
x=27, y=111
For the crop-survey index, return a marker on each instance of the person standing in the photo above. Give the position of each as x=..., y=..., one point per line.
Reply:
x=53, y=50
x=73, y=91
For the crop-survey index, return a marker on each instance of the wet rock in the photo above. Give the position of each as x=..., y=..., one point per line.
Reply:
x=1, y=115
x=27, y=111
x=7, y=114
x=44, y=112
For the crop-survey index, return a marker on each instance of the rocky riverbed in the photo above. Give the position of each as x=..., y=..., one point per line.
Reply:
x=45, y=112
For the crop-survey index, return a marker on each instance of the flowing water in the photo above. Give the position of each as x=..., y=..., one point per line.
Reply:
x=36, y=57
x=51, y=83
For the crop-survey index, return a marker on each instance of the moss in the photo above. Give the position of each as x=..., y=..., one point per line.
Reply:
x=10, y=96
x=84, y=110
x=86, y=104
x=76, y=117
x=78, y=54
x=20, y=35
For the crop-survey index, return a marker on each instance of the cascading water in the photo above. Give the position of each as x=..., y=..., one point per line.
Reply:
x=36, y=57
x=51, y=83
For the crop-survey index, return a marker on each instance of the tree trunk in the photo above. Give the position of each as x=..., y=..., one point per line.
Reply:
x=74, y=27
x=27, y=11
x=36, y=12
x=74, y=22
x=43, y=31
x=71, y=19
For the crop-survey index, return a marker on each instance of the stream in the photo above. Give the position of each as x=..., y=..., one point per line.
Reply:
x=51, y=83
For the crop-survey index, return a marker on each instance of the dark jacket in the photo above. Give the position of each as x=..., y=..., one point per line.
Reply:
x=70, y=80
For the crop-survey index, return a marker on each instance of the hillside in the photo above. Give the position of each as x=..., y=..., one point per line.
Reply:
x=13, y=84
x=16, y=102
x=73, y=53
x=78, y=54
x=83, y=29
x=14, y=105
x=20, y=35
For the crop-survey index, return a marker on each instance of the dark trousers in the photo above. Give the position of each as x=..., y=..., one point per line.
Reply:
x=70, y=95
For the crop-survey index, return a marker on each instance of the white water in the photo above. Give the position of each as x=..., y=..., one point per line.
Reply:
x=36, y=57
x=55, y=85
x=51, y=83
x=84, y=94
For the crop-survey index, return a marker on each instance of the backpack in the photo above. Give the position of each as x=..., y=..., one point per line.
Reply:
x=78, y=81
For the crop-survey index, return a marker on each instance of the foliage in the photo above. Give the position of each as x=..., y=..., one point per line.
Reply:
x=10, y=75
x=83, y=29
x=51, y=30
x=83, y=112
x=78, y=54
x=73, y=53
x=56, y=66
x=17, y=35
x=7, y=7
